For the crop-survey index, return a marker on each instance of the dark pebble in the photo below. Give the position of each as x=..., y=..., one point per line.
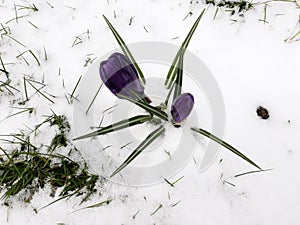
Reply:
x=262, y=112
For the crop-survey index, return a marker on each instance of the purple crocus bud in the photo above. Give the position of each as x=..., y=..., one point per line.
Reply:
x=120, y=77
x=182, y=107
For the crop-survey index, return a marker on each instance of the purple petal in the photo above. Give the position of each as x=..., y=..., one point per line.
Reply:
x=120, y=76
x=182, y=107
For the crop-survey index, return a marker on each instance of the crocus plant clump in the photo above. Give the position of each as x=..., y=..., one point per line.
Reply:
x=123, y=77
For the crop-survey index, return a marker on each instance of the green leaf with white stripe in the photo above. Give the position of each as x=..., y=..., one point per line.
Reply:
x=164, y=105
x=174, y=67
x=178, y=81
x=149, y=108
x=139, y=96
x=149, y=139
x=118, y=126
x=224, y=144
x=125, y=49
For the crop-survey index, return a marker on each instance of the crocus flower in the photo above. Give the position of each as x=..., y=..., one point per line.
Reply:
x=182, y=107
x=120, y=77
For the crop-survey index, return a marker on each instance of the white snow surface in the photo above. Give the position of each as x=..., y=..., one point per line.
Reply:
x=253, y=66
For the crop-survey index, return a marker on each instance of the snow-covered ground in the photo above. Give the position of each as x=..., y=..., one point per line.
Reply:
x=251, y=63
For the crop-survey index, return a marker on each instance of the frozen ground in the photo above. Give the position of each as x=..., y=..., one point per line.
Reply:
x=252, y=65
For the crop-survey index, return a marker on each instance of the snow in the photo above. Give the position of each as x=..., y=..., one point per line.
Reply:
x=252, y=65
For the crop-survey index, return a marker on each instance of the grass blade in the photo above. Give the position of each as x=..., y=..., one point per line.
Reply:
x=3, y=70
x=250, y=172
x=149, y=139
x=151, y=109
x=92, y=102
x=25, y=89
x=17, y=113
x=156, y=210
x=224, y=144
x=173, y=69
x=57, y=200
x=34, y=56
x=40, y=92
x=10, y=161
x=106, y=202
x=73, y=92
x=7, y=86
x=125, y=49
x=118, y=126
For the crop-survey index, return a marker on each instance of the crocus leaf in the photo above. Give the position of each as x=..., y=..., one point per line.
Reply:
x=117, y=126
x=125, y=49
x=224, y=144
x=174, y=67
x=164, y=104
x=139, y=97
x=149, y=108
x=149, y=139
x=178, y=81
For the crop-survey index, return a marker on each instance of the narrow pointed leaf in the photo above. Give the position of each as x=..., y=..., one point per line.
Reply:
x=173, y=69
x=25, y=110
x=250, y=172
x=149, y=139
x=93, y=100
x=178, y=81
x=117, y=126
x=73, y=92
x=224, y=144
x=38, y=90
x=10, y=161
x=149, y=108
x=57, y=200
x=125, y=49
x=164, y=105
x=138, y=96
x=106, y=202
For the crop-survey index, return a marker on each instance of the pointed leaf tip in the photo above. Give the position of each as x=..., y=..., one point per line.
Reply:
x=148, y=140
x=224, y=144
